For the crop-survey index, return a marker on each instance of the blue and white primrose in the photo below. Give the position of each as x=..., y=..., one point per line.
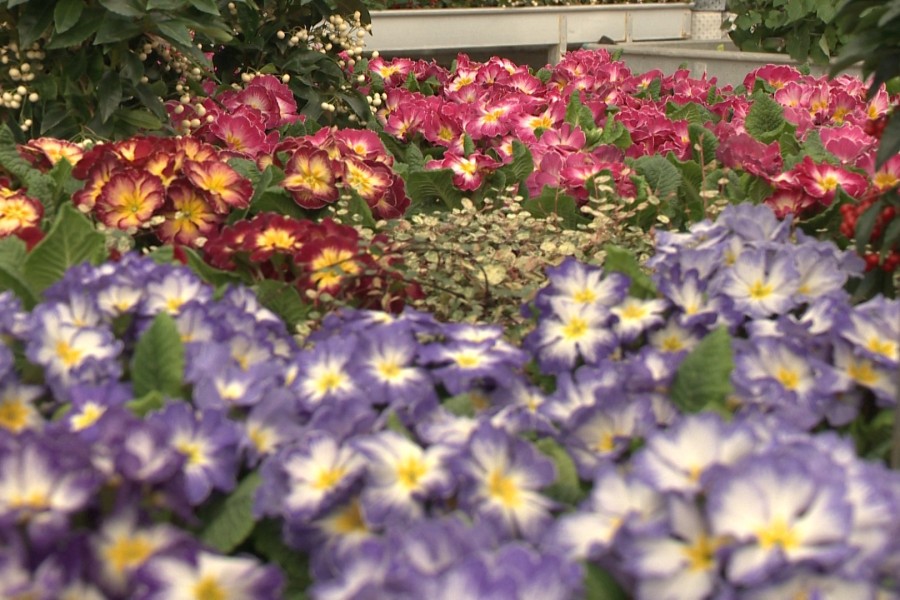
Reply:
x=394, y=456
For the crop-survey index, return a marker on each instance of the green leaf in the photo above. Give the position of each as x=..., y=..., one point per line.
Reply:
x=206, y=6
x=70, y=241
x=765, y=120
x=66, y=14
x=109, y=95
x=37, y=185
x=34, y=20
x=283, y=299
x=229, y=522
x=707, y=141
x=125, y=8
x=577, y=114
x=865, y=224
x=703, y=379
x=600, y=585
x=620, y=260
x=140, y=119
x=461, y=405
x=890, y=140
x=76, y=35
x=691, y=112
x=891, y=238
x=552, y=201
x=158, y=361
x=267, y=542
x=567, y=487
x=662, y=176
x=358, y=207
x=12, y=256
x=426, y=187
x=150, y=402
x=114, y=28
x=521, y=166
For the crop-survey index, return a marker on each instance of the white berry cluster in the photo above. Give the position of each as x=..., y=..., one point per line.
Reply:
x=18, y=70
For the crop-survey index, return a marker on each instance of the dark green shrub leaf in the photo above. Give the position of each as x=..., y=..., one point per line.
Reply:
x=158, y=361
x=34, y=19
x=704, y=378
x=114, y=28
x=109, y=93
x=206, y=6
x=71, y=240
x=126, y=8
x=229, y=521
x=78, y=33
x=66, y=14
x=890, y=140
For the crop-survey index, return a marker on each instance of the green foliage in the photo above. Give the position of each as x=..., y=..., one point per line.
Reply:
x=703, y=379
x=228, y=522
x=104, y=68
x=12, y=257
x=807, y=30
x=620, y=260
x=552, y=201
x=71, y=240
x=158, y=361
x=567, y=487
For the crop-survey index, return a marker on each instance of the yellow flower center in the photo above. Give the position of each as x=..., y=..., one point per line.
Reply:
x=778, y=533
x=884, y=180
x=584, y=296
x=575, y=328
x=789, y=378
x=275, y=239
x=862, y=372
x=671, y=343
x=700, y=554
x=193, y=452
x=389, y=370
x=410, y=471
x=260, y=439
x=127, y=553
x=329, y=382
x=760, y=290
x=331, y=266
x=209, y=589
x=328, y=478
x=633, y=310
x=67, y=354
x=350, y=520
x=13, y=415
x=467, y=360
x=503, y=489
x=886, y=348
x=88, y=416
x=606, y=443
x=829, y=183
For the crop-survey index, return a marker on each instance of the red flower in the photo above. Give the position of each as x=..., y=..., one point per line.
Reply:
x=45, y=152
x=310, y=178
x=224, y=188
x=129, y=199
x=822, y=180
x=18, y=212
x=188, y=214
